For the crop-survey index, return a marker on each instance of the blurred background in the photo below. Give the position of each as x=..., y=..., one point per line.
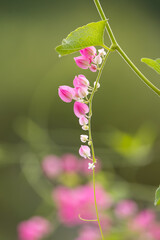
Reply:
x=34, y=122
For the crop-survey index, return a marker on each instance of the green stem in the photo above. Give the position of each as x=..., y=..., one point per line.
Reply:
x=115, y=46
x=90, y=139
x=102, y=15
x=137, y=71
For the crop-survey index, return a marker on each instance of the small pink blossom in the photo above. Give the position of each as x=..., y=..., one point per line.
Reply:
x=83, y=121
x=80, y=81
x=88, y=52
x=70, y=163
x=125, y=208
x=80, y=92
x=97, y=59
x=82, y=62
x=102, y=52
x=66, y=93
x=84, y=151
x=93, y=67
x=52, y=166
x=35, y=228
x=80, y=109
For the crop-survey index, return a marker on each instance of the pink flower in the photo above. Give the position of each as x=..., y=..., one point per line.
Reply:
x=52, y=166
x=82, y=62
x=66, y=93
x=70, y=163
x=88, y=52
x=80, y=92
x=80, y=81
x=80, y=109
x=155, y=231
x=89, y=233
x=35, y=228
x=143, y=220
x=83, y=121
x=93, y=67
x=80, y=200
x=125, y=208
x=84, y=151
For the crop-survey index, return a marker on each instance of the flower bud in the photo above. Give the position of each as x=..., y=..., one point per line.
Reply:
x=84, y=138
x=83, y=121
x=80, y=81
x=93, y=68
x=102, y=53
x=97, y=59
x=84, y=151
x=90, y=143
x=80, y=109
x=85, y=127
x=98, y=84
x=66, y=93
x=82, y=62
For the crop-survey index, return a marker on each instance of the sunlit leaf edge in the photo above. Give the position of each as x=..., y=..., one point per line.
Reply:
x=154, y=64
x=60, y=49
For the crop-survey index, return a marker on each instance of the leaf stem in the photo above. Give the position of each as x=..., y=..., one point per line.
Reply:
x=90, y=139
x=116, y=47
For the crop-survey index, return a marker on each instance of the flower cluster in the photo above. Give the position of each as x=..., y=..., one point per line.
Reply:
x=80, y=200
x=88, y=59
x=54, y=166
x=121, y=218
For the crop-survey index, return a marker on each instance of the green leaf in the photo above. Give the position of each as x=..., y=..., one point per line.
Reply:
x=155, y=64
x=157, y=197
x=86, y=36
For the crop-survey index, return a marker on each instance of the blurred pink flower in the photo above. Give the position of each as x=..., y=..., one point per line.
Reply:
x=89, y=233
x=52, y=166
x=33, y=229
x=143, y=220
x=80, y=200
x=155, y=231
x=70, y=163
x=125, y=208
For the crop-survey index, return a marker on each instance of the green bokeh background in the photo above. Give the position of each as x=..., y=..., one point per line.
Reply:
x=31, y=73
